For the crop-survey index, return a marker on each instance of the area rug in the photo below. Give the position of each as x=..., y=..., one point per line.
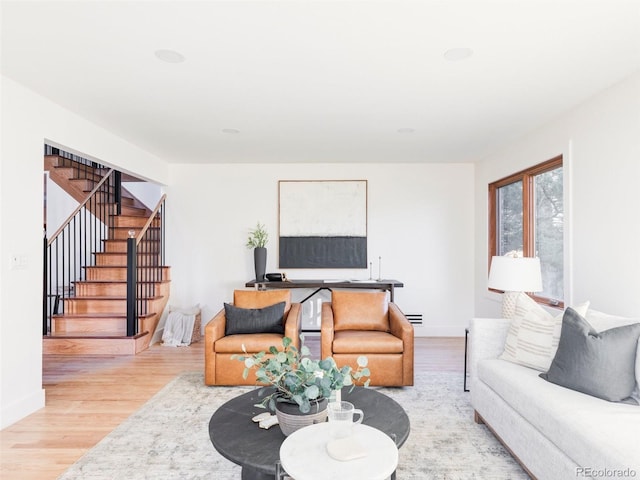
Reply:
x=168, y=438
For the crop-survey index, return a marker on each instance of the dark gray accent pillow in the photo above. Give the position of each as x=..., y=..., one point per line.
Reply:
x=599, y=364
x=254, y=320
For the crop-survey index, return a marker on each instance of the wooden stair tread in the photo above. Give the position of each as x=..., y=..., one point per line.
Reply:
x=124, y=240
x=111, y=254
x=101, y=335
x=126, y=215
x=111, y=297
x=99, y=315
x=84, y=282
x=132, y=210
x=124, y=266
x=156, y=227
x=124, y=197
x=94, y=177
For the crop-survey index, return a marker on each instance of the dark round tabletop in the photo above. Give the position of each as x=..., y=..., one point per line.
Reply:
x=236, y=437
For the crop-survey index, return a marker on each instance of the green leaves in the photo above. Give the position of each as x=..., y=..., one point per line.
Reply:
x=297, y=377
x=312, y=392
x=327, y=364
x=258, y=237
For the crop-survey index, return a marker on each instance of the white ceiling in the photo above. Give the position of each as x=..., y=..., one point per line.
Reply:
x=320, y=81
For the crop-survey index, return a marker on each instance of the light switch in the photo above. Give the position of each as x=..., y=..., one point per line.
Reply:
x=19, y=261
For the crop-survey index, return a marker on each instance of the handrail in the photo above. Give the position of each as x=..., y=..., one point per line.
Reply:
x=73, y=214
x=151, y=219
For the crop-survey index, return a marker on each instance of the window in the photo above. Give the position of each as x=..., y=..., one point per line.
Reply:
x=526, y=216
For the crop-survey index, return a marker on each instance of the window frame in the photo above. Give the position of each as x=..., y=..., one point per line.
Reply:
x=527, y=177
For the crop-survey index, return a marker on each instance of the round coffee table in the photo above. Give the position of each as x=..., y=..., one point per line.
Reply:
x=237, y=438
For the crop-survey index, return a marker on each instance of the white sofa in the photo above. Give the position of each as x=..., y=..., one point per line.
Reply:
x=554, y=432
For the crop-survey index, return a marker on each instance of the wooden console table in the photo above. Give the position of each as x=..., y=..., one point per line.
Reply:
x=318, y=285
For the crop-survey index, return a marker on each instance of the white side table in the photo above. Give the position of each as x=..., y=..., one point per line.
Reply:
x=304, y=456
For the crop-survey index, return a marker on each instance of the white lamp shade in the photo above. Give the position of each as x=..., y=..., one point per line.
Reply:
x=521, y=274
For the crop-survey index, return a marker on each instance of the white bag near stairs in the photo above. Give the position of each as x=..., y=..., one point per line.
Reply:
x=178, y=328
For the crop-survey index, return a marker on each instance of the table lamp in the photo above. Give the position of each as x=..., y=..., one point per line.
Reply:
x=514, y=275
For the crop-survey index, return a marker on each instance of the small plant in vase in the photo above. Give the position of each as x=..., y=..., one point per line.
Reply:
x=257, y=240
x=258, y=237
x=299, y=381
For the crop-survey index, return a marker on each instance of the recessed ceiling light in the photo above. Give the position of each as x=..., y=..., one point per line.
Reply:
x=169, y=56
x=406, y=130
x=231, y=131
x=456, y=54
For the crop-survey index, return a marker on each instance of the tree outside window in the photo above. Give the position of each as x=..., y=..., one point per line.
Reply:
x=527, y=219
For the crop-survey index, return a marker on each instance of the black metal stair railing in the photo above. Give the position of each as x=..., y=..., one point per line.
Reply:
x=145, y=262
x=72, y=246
x=84, y=168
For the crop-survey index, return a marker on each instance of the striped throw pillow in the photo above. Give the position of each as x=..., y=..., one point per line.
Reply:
x=534, y=334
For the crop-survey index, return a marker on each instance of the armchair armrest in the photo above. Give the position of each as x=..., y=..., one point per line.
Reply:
x=401, y=327
x=486, y=339
x=292, y=324
x=213, y=331
x=399, y=324
x=326, y=331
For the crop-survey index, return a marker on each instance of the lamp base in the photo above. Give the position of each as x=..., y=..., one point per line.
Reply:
x=509, y=304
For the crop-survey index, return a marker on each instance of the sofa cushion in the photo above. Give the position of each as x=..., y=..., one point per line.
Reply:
x=603, y=321
x=252, y=342
x=590, y=431
x=254, y=320
x=599, y=364
x=360, y=310
x=366, y=341
x=534, y=334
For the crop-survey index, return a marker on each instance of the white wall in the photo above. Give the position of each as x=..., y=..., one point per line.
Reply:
x=59, y=206
x=28, y=120
x=600, y=141
x=147, y=192
x=420, y=221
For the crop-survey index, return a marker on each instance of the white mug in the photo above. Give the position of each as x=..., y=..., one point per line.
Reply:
x=341, y=421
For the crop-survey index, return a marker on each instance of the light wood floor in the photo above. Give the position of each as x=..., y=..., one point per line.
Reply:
x=88, y=396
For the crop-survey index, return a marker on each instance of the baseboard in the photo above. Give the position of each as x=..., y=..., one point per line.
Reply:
x=21, y=408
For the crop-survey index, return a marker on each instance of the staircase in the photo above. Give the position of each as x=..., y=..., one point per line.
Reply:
x=86, y=313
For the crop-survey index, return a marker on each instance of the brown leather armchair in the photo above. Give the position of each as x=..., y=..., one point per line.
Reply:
x=219, y=367
x=365, y=323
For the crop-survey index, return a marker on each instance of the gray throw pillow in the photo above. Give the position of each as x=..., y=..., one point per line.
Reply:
x=599, y=364
x=254, y=320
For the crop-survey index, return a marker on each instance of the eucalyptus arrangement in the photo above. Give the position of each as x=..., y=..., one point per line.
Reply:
x=299, y=379
x=258, y=237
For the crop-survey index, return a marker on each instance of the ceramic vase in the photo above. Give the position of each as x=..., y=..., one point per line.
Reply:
x=260, y=262
x=290, y=418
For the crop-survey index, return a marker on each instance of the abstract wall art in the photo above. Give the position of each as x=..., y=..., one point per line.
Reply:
x=323, y=223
